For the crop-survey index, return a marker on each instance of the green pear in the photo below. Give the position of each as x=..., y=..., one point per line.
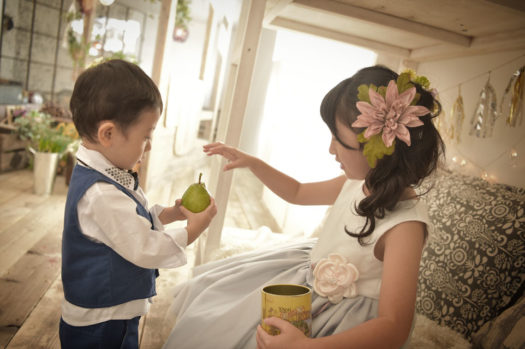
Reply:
x=196, y=197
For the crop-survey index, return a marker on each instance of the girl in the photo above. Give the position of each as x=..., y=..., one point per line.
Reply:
x=364, y=267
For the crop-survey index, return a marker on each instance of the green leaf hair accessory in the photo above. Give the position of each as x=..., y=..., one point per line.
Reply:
x=419, y=79
x=387, y=113
x=374, y=148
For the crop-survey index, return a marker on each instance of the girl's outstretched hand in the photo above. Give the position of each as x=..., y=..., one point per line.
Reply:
x=289, y=338
x=235, y=157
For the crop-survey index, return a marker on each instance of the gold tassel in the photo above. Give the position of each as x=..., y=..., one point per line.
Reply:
x=515, y=116
x=485, y=114
x=457, y=115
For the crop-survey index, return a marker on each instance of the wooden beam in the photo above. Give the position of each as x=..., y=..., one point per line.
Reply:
x=330, y=34
x=240, y=77
x=348, y=10
x=507, y=41
x=518, y=5
x=274, y=11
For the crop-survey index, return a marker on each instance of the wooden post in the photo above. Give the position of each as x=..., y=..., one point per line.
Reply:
x=156, y=75
x=230, y=124
x=160, y=45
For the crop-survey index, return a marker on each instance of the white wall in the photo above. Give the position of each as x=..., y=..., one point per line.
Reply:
x=182, y=103
x=258, y=92
x=289, y=132
x=176, y=132
x=480, y=155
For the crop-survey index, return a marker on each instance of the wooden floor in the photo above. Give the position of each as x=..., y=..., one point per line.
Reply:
x=30, y=256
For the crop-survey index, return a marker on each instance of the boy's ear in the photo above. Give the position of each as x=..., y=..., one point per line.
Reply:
x=106, y=132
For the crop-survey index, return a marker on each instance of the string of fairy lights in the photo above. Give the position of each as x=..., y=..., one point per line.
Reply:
x=462, y=161
x=459, y=160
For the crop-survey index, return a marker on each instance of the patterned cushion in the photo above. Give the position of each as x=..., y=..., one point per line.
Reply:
x=474, y=259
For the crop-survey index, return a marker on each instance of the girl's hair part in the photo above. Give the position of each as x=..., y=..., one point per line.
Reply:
x=406, y=167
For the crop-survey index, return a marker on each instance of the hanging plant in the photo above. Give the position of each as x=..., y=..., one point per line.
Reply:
x=182, y=19
x=78, y=44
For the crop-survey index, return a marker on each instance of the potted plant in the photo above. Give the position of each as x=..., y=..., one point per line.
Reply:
x=48, y=142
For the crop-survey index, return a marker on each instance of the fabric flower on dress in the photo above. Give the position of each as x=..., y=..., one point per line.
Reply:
x=335, y=277
x=390, y=115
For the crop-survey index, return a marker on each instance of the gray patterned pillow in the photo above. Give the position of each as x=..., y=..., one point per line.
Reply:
x=474, y=259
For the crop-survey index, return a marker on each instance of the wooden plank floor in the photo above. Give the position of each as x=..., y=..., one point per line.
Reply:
x=30, y=243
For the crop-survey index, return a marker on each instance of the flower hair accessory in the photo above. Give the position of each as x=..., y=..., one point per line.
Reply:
x=335, y=277
x=387, y=112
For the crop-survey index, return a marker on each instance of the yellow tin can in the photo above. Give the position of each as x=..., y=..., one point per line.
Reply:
x=292, y=303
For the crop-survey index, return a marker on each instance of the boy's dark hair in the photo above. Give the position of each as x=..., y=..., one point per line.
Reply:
x=407, y=166
x=115, y=90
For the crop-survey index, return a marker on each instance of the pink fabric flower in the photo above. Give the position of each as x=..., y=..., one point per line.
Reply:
x=390, y=115
x=335, y=278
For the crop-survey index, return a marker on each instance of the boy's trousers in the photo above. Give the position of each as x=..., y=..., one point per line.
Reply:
x=118, y=334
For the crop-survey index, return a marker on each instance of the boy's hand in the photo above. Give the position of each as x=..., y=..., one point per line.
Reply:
x=198, y=222
x=235, y=157
x=172, y=214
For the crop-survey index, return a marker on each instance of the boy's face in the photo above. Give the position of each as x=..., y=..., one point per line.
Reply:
x=128, y=148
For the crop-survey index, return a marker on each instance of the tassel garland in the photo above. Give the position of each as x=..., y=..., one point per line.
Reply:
x=485, y=114
x=457, y=115
x=515, y=116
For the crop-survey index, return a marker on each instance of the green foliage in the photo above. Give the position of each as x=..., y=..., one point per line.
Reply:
x=404, y=82
x=363, y=92
x=78, y=48
x=38, y=128
x=423, y=81
x=374, y=148
x=114, y=55
x=183, y=17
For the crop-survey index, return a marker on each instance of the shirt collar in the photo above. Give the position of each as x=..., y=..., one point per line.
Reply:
x=98, y=162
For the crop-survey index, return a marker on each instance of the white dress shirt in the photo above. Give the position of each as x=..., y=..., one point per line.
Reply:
x=106, y=215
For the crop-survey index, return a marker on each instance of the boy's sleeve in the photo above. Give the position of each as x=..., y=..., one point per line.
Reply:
x=109, y=216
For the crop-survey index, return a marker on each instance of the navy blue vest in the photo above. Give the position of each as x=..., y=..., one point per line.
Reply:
x=93, y=275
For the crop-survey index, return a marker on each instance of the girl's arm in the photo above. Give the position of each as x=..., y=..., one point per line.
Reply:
x=286, y=187
x=402, y=252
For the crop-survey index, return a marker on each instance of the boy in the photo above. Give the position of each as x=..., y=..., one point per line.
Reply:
x=112, y=244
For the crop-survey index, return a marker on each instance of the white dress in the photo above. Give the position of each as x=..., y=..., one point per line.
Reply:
x=220, y=307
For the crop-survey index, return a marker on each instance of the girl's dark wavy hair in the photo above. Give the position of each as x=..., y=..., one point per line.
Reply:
x=406, y=167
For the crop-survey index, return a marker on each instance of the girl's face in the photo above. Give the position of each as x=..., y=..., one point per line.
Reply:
x=353, y=162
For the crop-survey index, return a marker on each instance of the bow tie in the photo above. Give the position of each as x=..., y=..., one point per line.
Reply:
x=136, y=178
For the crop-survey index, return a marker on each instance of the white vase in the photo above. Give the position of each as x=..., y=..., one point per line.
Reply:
x=44, y=172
